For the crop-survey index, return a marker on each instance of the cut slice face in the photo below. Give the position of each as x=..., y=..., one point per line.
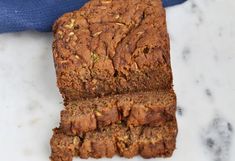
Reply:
x=116, y=139
x=143, y=108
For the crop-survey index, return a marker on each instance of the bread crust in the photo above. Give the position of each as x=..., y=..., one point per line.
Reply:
x=107, y=47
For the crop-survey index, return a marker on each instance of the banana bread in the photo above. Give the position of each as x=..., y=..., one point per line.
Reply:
x=112, y=47
x=144, y=108
x=116, y=139
x=112, y=61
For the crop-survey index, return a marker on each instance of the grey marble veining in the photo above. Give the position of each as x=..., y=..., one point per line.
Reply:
x=202, y=36
x=217, y=138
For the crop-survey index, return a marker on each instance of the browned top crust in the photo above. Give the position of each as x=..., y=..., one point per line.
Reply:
x=110, y=47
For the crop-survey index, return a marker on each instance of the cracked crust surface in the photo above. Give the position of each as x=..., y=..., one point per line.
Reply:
x=108, y=48
x=144, y=108
x=116, y=139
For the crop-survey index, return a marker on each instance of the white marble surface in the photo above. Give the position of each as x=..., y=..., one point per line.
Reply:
x=203, y=60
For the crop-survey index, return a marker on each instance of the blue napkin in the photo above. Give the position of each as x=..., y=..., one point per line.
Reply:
x=20, y=15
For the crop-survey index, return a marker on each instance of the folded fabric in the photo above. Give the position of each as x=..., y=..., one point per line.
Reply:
x=20, y=15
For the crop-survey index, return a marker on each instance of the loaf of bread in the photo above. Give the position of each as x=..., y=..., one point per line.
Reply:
x=116, y=139
x=112, y=47
x=112, y=61
x=143, y=108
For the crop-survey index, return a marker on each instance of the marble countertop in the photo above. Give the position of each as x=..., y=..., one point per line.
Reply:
x=202, y=36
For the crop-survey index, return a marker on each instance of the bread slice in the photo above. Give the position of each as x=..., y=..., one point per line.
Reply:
x=116, y=139
x=143, y=108
x=112, y=47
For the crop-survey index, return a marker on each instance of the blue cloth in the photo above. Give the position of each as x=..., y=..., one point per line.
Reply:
x=20, y=15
